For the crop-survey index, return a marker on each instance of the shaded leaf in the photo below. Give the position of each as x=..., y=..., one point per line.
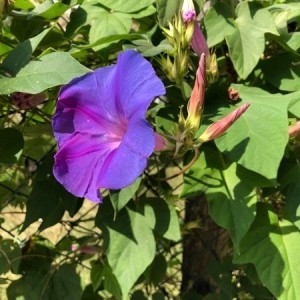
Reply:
x=10, y=256
x=48, y=206
x=11, y=145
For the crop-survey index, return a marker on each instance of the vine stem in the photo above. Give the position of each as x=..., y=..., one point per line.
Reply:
x=185, y=168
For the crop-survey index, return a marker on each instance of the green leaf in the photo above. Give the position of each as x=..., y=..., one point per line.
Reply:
x=48, y=206
x=35, y=268
x=156, y=272
x=247, y=43
x=10, y=256
x=162, y=218
x=120, y=198
x=129, y=243
x=218, y=23
x=283, y=71
x=128, y=6
x=11, y=145
x=51, y=70
x=260, y=132
x=64, y=284
x=20, y=56
x=23, y=4
x=273, y=246
x=232, y=202
x=166, y=10
x=49, y=9
x=107, y=24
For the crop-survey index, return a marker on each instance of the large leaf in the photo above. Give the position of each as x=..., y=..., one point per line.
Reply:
x=129, y=243
x=259, y=137
x=231, y=201
x=247, y=43
x=50, y=70
x=218, y=23
x=273, y=246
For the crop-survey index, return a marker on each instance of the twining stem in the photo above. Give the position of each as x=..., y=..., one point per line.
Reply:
x=185, y=168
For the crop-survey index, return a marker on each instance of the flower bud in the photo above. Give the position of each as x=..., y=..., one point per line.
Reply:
x=195, y=104
x=294, y=130
x=219, y=127
x=199, y=44
x=188, y=11
x=26, y=101
x=160, y=142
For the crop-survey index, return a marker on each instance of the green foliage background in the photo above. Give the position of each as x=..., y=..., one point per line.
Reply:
x=131, y=246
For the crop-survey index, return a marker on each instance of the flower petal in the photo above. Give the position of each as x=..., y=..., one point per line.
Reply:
x=79, y=162
x=86, y=104
x=136, y=83
x=128, y=161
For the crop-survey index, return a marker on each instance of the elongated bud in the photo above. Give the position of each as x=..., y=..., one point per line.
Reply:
x=195, y=105
x=219, y=127
x=188, y=11
x=199, y=44
x=294, y=130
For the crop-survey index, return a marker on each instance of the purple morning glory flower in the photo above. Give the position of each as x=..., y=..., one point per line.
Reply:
x=103, y=138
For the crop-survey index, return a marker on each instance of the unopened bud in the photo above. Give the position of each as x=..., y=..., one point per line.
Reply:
x=195, y=104
x=294, y=130
x=188, y=11
x=219, y=127
x=199, y=44
x=160, y=142
x=26, y=101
